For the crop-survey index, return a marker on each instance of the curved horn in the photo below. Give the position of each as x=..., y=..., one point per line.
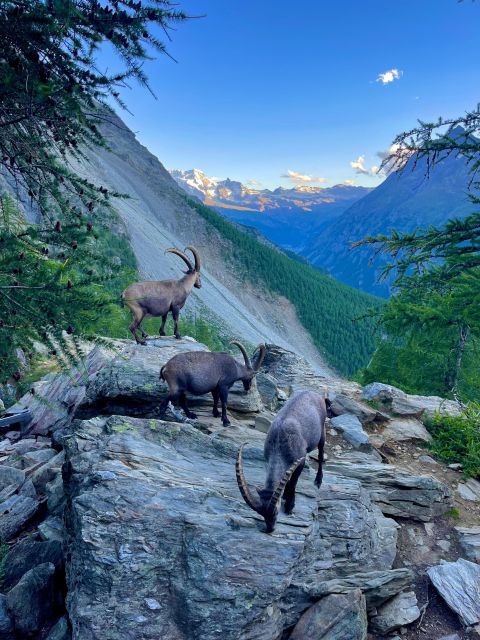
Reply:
x=253, y=503
x=196, y=255
x=273, y=505
x=244, y=353
x=181, y=255
x=261, y=356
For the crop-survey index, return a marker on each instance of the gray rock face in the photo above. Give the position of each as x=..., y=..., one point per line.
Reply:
x=25, y=555
x=351, y=428
x=469, y=490
x=459, y=585
x=6, y=622
x=15, y=512
x=406, y=429
x=178, y=530
x=396, y=492
x=342, y=404
x=31, y=601
x=470, y=542
x=335, y=617
x=403, y=404
x=401, y=610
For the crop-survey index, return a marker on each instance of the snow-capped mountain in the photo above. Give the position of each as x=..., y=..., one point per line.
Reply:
x=233, y=194
x=291, y=217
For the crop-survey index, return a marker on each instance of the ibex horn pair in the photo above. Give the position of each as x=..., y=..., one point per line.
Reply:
x=261, y=348
x=185, y=258
x=271, y=509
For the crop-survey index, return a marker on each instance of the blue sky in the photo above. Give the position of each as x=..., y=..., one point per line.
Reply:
x=262, y=87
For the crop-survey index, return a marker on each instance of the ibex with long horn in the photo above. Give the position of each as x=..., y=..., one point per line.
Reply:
x=201, y=372
x=298, y=429
x=159, y=297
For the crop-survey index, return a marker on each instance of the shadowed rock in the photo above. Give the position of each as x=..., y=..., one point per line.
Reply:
x=31, y=601
x=470, y=542
x=401, y=610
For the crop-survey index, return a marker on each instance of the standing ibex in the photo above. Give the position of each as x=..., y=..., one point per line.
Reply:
x=200, y=372
x=158, y=297
x=298, y=428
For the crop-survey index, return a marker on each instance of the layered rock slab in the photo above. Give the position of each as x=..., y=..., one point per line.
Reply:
x=155, y=516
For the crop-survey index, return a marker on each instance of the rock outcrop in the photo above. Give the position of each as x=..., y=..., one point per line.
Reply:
x=143, y=520
x=180, y=527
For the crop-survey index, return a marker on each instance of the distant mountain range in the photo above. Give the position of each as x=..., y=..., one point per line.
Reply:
x=288, y=217
x=406, y=200
x=320, y=224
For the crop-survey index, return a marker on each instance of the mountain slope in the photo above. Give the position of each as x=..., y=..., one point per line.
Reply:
x=287, y=217
x=235, y=293
x=404, y=201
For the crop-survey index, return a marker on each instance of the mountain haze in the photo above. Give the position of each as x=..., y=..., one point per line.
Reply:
x=287, y=217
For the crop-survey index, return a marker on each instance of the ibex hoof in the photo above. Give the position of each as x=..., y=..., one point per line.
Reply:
x=178, y=336
x=226, y=423
x=216, y=414
x=191, y=415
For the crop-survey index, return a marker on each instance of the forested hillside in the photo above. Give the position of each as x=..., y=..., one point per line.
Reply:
x=333, y=313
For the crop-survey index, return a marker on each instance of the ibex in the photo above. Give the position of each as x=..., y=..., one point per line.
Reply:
x=158, y=297
x=298, y=428
x=200, y=372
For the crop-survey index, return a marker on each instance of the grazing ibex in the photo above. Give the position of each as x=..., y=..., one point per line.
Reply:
x=200, y=372
x=158, y=297
x=298, y=428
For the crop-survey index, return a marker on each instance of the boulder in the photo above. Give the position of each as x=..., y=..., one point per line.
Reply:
x=400, y=430
x=60, y=630
x=459, y=585
x=335, y=617
x=469, y=538
x=469, y=490
x=399, y=403
x=48, y=472
x=31, y=601
x=398, y=493
x=268, y=390
x=343, y=404
x=15, y=513
x=377, y=586
x=27, y=554
x=58, y=396
x=351, y=429
x=401, y=610
x=51, y=529
x=155, y=504
x=6, y=621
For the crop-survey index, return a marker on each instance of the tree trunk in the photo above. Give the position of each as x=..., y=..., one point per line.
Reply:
x=463, y=335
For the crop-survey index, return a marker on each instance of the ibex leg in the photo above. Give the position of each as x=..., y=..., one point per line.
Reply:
x=289, y=493
x=216, y=398
x=183, y=404
x=162, y=326
x=224, y=399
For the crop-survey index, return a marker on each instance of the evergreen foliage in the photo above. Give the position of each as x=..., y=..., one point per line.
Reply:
x=337, y=316
x=456, y=439
x=53, y=96
x=431, y=325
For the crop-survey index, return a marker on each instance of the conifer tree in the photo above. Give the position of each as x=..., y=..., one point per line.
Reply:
x=53, y=98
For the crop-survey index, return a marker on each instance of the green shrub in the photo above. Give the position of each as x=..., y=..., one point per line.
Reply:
x=457, y=439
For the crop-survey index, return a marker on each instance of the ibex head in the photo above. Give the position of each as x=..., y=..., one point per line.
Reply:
x=266, y=503
x=190, y=268
x=250, y=370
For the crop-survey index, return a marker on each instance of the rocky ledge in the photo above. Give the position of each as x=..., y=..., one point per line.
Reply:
x=120, y=525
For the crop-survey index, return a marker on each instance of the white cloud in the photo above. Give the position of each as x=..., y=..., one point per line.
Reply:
x=389, y=76
x=349, y=183
x=358, y=165
x=297, y=177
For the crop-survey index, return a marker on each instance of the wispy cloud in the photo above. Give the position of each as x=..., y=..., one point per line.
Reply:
x=348, y=183
x=389, y=76
x=359, y=167
x=392, y=158
x=302, y=178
